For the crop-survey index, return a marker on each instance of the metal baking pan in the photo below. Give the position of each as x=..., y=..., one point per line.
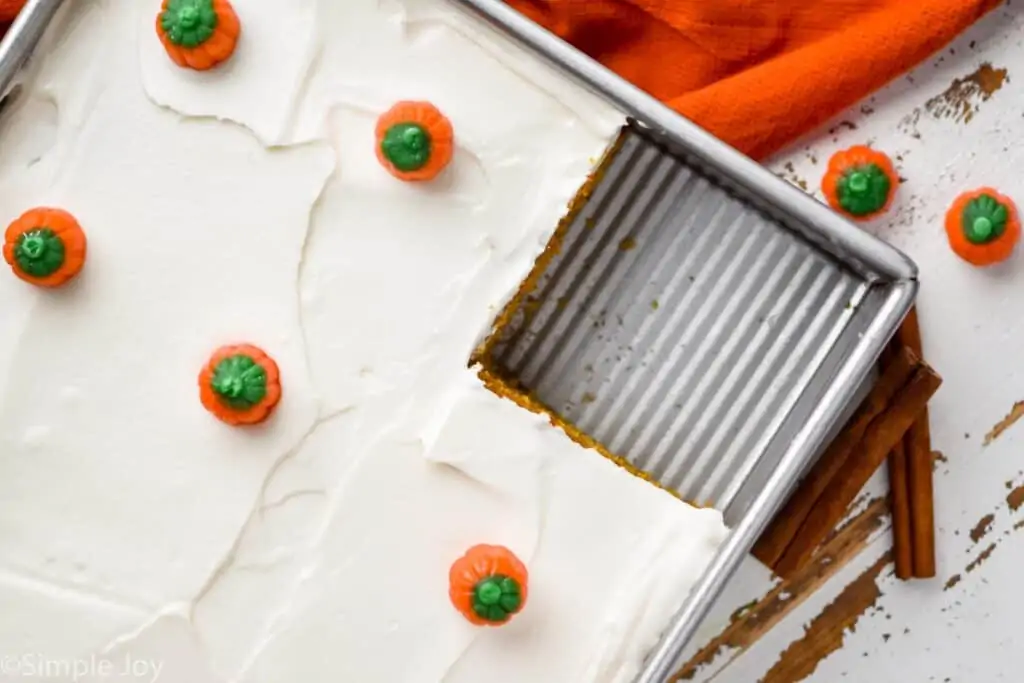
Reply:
x=702, y=319
x=771, y=311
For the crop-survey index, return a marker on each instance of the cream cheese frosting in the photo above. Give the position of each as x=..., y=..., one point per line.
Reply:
x=246, y=204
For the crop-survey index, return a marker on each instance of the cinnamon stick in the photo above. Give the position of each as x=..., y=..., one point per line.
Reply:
x=922, y=505
x=899, y=502
x=784, y=527
x=881, y=435
x=917, y=443
x=899, y=494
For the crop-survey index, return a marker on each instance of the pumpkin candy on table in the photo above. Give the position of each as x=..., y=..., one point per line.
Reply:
x=198, y=34
x=240, y=384
x=45, y=247
x=860, y=182
x=488, y=585
x=983, y=227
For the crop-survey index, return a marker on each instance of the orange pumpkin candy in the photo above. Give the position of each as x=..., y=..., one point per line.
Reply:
x=45, y=247
x=488, y=585
x=415, y=141
x=198, y=34
x=983, y=227
x=860, y=183
x=240, y=384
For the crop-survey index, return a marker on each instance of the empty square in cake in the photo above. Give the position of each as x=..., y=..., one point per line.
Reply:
x=670, y=324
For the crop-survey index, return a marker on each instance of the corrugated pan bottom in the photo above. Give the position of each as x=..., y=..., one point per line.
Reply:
x=675, y=325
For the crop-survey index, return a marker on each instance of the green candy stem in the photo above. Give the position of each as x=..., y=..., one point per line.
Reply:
x=863, y=190
x=497, y=598
x=189, y=23
x=980, y=230
x=407, y=146
x=239, y=382
x=984, y=220
x=39, y=252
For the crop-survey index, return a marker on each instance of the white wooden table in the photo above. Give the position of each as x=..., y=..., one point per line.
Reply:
x=953, y=124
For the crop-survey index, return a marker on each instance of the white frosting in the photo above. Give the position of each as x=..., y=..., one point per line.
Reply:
x=246, y=204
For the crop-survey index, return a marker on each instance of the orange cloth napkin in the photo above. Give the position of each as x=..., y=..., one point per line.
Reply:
x=9, y=10
x=757, y=73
